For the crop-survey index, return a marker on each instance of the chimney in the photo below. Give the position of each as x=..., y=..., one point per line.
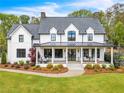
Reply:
x=43, y=15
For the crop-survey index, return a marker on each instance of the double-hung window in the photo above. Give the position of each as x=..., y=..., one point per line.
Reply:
x=21, y=38
x=90, y=36
x=21, y=53
x=53, y=37
x=71, y=36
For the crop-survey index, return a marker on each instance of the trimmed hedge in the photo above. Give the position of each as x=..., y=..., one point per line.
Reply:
x=49, y=66
x=96, y=66
x=89, y=66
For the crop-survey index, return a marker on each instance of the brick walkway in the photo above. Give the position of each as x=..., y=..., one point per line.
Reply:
x=70, y=73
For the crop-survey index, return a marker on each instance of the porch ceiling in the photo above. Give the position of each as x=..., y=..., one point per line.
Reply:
x=73, y=44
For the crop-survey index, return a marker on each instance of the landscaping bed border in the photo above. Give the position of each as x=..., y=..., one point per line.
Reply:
x=37, y=69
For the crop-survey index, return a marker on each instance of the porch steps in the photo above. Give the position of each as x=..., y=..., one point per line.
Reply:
x=75, y=66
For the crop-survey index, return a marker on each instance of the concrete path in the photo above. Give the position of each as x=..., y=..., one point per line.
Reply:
x=70, y=73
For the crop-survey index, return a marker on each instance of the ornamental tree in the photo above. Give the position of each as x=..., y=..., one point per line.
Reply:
x=32, y=55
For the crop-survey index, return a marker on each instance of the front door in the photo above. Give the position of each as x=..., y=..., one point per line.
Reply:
x=71, y=54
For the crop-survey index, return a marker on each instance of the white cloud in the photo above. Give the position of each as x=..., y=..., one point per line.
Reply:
x=49, y=8
x=98, y=4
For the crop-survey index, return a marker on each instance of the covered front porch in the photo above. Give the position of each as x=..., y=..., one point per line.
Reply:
x=71, y=54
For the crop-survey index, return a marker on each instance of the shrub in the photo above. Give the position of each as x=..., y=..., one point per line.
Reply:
x=89, y=66
x=32, y=64
x=26, y=66
x=27, y=62
x=3, y=58
x=55, y=68
x=17, y=66
x=111, y=67
x=15, y=63
x=37, y=66
x=117, y=64
x=6, y=65
x=50, y=66
x=21, y=62
x=60, y=66
x=96, y=66
x=97, y=70
x=104, y=66
x=12, y=65
x=34, y=67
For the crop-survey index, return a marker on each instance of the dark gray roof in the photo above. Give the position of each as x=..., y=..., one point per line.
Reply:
x=61, y=23
x=32, y=28
x=73, y=44
x=12, y=29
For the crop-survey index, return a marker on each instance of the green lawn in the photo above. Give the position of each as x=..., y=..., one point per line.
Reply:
x=100, y=83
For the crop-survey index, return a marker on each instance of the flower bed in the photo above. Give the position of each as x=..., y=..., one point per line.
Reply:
x=28, y=67
x=94, y=69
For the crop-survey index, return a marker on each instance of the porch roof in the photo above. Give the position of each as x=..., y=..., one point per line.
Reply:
x=72, y=44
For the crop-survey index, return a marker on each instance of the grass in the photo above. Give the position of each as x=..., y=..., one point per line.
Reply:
x=99, y=83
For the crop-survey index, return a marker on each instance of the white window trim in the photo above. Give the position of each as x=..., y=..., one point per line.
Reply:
x=88, y=37
x=90, y=30
x=21, y=38
x=52, y=37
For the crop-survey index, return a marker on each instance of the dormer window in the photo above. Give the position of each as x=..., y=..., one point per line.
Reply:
x=53, y=37
x=71, y=36
x=90, y=36
x=21, y=38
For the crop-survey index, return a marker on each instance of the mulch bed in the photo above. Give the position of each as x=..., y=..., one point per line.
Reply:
x=34, y=69
x=107, y=70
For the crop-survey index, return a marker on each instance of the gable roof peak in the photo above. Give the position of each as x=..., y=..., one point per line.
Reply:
x=61, y=23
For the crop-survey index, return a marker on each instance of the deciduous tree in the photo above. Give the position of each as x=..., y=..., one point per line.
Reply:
x=6, y=22
x=118, y=34
x=35, y=20
x=80, y=13
x=24, y=19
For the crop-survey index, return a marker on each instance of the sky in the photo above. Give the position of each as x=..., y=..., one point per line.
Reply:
x=53, y=7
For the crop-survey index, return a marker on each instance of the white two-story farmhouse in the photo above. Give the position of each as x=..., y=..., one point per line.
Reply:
x=64, y=40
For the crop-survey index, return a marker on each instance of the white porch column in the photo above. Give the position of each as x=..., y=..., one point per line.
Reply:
x=111, y=55
x=66, y=55
x=36, y=55
x=95, y=55
x=81, y=55
x=104, y=54
x=90, y=52
x=52, y=55
x=41, y=52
